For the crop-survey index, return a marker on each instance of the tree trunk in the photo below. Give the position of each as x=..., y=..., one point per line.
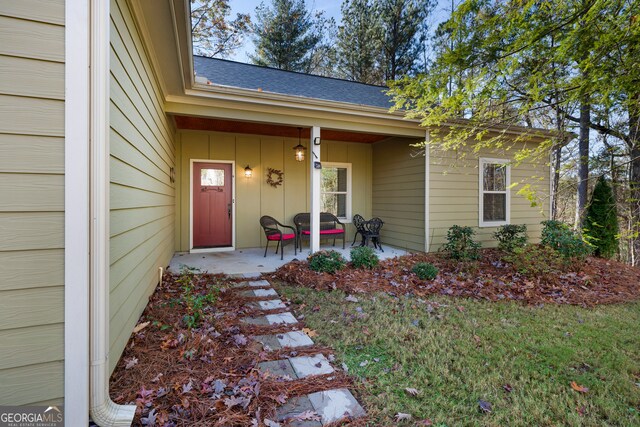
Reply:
x=557, y=161
x=583, y=162
x=634, y=178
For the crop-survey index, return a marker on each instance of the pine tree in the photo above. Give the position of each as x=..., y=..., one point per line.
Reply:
x=601, y=220
x=287, y=36
x=360, y=42
x=403, y=23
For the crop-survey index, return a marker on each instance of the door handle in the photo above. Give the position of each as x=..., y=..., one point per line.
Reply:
x=229, y=210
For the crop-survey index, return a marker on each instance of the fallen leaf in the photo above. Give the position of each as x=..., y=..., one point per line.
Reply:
x=364, y=363
x=157, y=378
x=140, y=327
x=281, y=398
x=351, y=298
x=507, y=388
x=270, y=423
x=308, y=416
x=400, y=416
x=582, y=410
x=365, y=331
x=579, y=388
x=477, y=340
x=131, y=362
x=425, y=422
x=186, y=388
x=412, y=391
x=310, y=332
x=150, y=419
x=485, y=406
x=460, y=308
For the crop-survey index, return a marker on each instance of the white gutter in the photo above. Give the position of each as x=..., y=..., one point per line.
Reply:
x=104, y=412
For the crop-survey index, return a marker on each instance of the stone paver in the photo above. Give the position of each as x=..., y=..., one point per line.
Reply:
x=264, y=292
x=296, y=406
x=280, y=318
x=255, y=320
x=251, y=275
x=278, y=368
x=333, y=405
x=294, y=339
x=271, y=304
x=268, y=341
x=305, y=366
x=258, y=283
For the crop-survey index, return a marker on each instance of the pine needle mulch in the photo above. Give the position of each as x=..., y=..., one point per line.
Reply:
x=206, y=375
x=597, y=281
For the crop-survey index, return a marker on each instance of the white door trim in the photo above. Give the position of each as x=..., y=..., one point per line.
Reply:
x=233, y=207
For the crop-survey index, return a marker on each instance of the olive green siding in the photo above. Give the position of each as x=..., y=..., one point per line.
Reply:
x=31, y=201
x=398, y=192
x=142, y=196
x=254, y=197
x=455, y=200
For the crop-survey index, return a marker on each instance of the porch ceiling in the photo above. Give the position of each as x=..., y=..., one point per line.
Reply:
x=255, y=128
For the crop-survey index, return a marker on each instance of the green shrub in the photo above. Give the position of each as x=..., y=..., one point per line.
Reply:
x=460, y=244
x=326, y=261
x=537, y=261
x=194, y=301
x=564, y=240
x=601, y=221
x=511, y=237
x=425, y=271
x=364, y=257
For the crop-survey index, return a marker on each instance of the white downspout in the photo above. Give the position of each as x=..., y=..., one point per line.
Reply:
x=104, y=412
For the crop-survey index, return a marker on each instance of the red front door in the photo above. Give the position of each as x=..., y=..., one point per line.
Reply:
x=212, y=205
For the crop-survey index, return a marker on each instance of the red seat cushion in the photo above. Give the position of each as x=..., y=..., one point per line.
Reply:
x=332, y=231
x=284, y=236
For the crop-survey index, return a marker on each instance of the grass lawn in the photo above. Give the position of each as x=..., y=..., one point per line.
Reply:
x=455, y=352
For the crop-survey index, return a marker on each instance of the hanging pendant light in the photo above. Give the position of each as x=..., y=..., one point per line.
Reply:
x=299, y=149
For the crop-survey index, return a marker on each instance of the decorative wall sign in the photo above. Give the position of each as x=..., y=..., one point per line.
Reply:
x=274, y=177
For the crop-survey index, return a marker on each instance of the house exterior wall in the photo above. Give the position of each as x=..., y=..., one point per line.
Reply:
x=254, y=197
x=142, y=144
x=31, y=202
x=398, y=192
x=454, y=194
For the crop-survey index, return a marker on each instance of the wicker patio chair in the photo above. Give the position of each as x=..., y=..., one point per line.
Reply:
x=273, y=232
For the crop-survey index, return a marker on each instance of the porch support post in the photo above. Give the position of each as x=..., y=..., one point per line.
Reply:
x=314, y=156
x=427, y=162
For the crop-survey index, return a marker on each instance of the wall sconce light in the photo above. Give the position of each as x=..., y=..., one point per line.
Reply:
x=248, y=172
x=299, y=149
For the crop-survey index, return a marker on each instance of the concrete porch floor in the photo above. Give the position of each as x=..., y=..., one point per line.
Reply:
x=251, y=260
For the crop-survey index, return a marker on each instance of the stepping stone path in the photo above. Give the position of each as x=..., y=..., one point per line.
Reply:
x=330, y=405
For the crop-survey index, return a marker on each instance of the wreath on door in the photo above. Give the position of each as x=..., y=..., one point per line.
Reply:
x=274, y=177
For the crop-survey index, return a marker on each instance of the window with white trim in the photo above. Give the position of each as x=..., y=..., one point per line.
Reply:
x=495, y=177
x=335, y=189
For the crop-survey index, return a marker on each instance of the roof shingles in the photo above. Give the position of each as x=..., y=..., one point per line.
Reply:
x=246, y=76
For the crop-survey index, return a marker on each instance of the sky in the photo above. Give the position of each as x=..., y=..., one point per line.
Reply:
x=331, y=9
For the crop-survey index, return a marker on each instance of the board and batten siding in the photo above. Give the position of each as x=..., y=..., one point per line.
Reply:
x=455, y=199
x=398, y=192
x=31, y=202
x=142, y=140
x=254, y=197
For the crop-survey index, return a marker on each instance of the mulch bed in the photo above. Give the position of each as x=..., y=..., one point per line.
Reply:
x=597, y=281
x=207, y=376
